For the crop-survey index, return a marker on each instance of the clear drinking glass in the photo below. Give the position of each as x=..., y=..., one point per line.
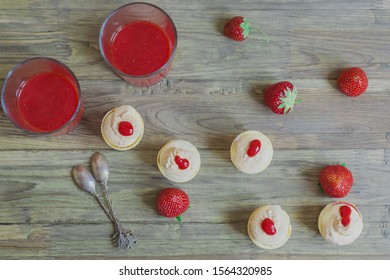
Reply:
x=130, y=13
x=16, y=81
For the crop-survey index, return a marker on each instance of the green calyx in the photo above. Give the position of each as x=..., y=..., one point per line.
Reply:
x=246, y=27
x=319, y=184
x=339, y=163
x=289, y=100
x=179, y=218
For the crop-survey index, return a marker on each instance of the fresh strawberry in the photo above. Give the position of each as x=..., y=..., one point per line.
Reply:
x=237, y=28
x=281, y=97
x=353, y=81
x=172, y=202
x=336, y=180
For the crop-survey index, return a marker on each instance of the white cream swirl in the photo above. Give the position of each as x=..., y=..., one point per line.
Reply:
x=166, y=160
x=110, y=125
x=281, y=222
x=331, y=228
x=254, y=164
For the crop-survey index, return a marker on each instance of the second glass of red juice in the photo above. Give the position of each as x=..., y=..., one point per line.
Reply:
x=138, y=41
x=41, y=95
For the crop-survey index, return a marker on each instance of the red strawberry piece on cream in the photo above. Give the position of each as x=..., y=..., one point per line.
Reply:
x=345, y=213
x=182, y=163
x=125, y=128
x=268, y=226
x=254, y=148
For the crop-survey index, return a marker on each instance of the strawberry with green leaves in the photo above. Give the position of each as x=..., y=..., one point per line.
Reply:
x=238, y=29
x=336, y=180
x=281, y=97
x=172, y=202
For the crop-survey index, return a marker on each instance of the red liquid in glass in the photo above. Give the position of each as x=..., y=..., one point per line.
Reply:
x=47, y=101
x=140, y=48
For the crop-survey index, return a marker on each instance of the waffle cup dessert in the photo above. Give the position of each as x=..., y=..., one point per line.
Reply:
x=122, y=128
x=251, y=152
x=340, y=223
x=269, y=227
x=179, y=161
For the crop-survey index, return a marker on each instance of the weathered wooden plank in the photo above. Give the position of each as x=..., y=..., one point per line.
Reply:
x=204, y=4
x=309, y=44
x=213, y=92
x=212, y=113
x=37, y=190
x=219, y=140
x=171, y=239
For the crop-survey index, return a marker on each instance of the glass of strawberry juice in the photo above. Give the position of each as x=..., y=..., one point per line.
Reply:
x=138, y=41
x=42, y=96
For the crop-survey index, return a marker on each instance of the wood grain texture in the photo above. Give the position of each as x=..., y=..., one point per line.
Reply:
x=213, y=92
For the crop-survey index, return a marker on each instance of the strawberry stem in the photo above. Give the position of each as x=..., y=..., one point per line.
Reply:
x=179, y=219
x=264, y=34
x=247, y=28
x=319, y=184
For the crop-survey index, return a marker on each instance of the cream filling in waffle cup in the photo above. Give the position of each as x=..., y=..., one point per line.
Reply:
x=281, y=224
x=179, y=161
x=240, y=154
x=110, y=128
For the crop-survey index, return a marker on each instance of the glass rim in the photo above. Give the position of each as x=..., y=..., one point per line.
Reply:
x=21, y=64
x=119, y=71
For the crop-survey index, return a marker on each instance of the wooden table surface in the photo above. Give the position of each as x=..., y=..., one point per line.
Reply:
x=213, y=92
